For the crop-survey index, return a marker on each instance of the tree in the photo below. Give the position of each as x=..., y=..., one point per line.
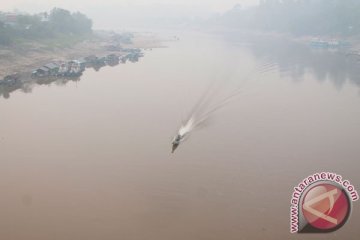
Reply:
x=4, y=35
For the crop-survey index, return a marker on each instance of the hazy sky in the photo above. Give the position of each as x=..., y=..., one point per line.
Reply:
x=126, y=14
x=215, y=5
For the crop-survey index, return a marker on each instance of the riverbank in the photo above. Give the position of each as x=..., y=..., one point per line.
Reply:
x=36, y=63
x=348, y=46
x=27, y=56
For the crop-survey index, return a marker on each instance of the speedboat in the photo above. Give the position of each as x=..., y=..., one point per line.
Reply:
x=176, y=142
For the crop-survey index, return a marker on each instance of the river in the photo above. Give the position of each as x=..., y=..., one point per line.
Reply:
x=91, y=159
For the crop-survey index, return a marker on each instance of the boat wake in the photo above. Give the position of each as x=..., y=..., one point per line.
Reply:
x=209, y=103
x=203, y=110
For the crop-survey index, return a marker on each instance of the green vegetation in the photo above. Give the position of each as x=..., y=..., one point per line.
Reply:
x=59, y=24
x=300, y=17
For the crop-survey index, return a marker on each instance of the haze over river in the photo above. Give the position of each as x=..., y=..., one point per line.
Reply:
x=91, y=159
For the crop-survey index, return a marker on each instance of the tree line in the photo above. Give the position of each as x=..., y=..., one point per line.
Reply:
x=300, y=17
x=45, y=25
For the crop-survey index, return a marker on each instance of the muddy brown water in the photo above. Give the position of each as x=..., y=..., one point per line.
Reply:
x=91, y=159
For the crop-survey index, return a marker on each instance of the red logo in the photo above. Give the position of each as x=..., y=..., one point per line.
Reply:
x=325, y=207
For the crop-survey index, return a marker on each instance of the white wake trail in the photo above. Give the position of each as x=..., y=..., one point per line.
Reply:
x=205, y=106
x=202, y=112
